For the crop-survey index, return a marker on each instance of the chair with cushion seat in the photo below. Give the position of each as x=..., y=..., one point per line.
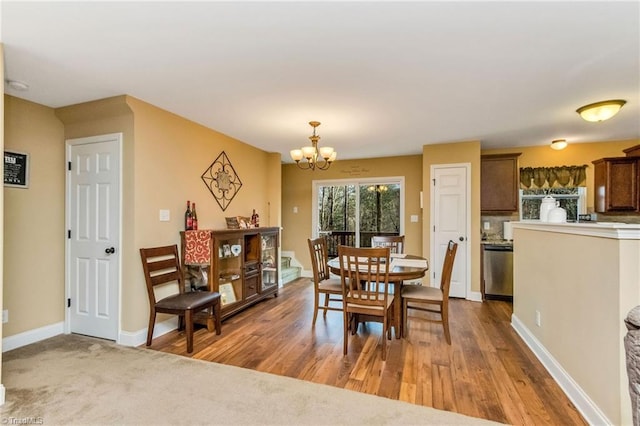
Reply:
x=394, y=242
x=161, y=267
x=431, y=299
x=323, y=283
x=370, y=296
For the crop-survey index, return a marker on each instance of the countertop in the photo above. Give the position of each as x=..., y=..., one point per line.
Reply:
x=616, y=230
x=497, y=242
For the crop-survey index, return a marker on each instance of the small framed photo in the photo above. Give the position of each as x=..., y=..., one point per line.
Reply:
x=232, y=223
x=245, y=222
x=226, y=250
x=227, y=294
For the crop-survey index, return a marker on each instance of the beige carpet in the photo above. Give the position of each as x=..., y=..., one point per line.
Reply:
x=72, y=379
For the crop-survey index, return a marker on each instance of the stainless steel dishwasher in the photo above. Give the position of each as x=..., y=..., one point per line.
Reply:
x=498, y=271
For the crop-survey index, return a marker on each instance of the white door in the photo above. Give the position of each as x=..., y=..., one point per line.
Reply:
x=93, y=223
x=450, y=213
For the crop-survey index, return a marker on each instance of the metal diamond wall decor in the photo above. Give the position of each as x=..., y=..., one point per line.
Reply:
x=222, y=180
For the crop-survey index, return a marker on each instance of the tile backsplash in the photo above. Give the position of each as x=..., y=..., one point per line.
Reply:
x=495, y=226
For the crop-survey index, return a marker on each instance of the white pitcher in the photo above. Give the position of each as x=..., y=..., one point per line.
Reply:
x=547, y=204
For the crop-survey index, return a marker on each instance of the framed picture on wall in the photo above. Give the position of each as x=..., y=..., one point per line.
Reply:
x=16, y=169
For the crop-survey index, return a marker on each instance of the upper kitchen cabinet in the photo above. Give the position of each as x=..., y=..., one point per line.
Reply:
x=499, y=183
x=617, y=188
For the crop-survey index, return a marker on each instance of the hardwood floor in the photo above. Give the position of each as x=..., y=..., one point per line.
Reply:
x=487, y=371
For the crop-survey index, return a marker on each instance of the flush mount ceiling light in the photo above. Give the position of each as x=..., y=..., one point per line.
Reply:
x=559, y=144
x=18, y=85
x=313, y=154
x=600, y=111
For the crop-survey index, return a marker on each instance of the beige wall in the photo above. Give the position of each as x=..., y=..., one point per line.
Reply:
x=583, y=287
x=576, y=154
x=296, y=192
x=164, y=156
x=455, y=153
x=34, y=221
x=171, y=154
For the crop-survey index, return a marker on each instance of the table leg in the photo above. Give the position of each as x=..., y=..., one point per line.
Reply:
x=397, y=300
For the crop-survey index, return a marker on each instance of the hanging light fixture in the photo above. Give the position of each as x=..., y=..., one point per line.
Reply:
x=317, y=158
x=559, y=144
x=600, y=111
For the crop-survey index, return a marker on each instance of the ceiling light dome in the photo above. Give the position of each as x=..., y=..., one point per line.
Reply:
x=559, y=144
x=600, y=111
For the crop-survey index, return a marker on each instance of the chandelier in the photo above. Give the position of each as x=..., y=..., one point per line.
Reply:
x=317, y=158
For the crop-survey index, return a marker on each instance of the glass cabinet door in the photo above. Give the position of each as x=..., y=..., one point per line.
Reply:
x=269, y=260
x=229, y=269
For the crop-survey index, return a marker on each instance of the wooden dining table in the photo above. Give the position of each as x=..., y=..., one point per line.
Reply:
x=404, y=267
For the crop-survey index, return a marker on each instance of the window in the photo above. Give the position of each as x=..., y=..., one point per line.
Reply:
x=350, y=212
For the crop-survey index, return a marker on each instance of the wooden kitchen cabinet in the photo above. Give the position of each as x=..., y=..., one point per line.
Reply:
x=617, y=185
x=499, y=179
x=243, y=267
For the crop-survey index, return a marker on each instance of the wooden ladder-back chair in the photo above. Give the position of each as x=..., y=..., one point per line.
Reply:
x=161, y=267
x=431, y=299
x=394, y=242
x=368, y=294
x=323, y=283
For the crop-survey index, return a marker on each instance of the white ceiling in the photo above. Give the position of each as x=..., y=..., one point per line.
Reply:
x=384, y=78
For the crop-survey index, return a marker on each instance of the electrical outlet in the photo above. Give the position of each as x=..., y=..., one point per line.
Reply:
x=538, y=319
x=5, y=316
x=487, y=226
x=165, y=215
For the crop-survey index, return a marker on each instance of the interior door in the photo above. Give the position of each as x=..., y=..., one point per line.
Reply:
x=450, y=221
x=93, y=220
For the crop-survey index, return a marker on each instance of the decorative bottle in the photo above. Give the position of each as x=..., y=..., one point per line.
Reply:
x=194, y=217
x=255, y=219
x=188, y=218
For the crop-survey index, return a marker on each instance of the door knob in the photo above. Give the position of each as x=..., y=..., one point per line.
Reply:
x=461, y=238
x=110, y=250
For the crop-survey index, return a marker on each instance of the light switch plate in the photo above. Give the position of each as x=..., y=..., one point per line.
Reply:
x=414, y=218
x=487, y=226
x=165, y=215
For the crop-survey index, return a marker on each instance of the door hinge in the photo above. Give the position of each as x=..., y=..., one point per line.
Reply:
x=69, y=234
x=434, y=228
x=68, y=303
x=434, y=275
x=69, y=165
x=434, y=181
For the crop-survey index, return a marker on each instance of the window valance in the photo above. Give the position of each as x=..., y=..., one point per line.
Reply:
x=548, y=177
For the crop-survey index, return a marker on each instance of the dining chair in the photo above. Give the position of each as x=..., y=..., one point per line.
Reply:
x=323, y=283
x=162, y=268
x=394, y=242
x=432, y=299
x=365, y=282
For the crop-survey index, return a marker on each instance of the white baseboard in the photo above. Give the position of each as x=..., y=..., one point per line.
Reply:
x=589, y=410
x=474, y=296
x=32, y=336
x=125, y=338
x=137, y=338
x=2, y=393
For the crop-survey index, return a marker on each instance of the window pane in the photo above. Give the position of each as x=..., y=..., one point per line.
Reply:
x=379, y=211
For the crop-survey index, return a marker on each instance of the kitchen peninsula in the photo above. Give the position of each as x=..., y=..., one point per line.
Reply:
x=574, y=284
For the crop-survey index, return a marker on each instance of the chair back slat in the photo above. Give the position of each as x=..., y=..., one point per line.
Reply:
x=365, y=275
x=447, y=267
x=394, y=242
x=161, y=266
x=319, y=258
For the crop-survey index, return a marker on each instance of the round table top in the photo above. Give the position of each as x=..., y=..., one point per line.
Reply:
x=408, y=267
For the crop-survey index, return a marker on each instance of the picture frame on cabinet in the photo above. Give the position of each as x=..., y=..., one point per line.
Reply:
x=226, y=250
x=227, y=294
